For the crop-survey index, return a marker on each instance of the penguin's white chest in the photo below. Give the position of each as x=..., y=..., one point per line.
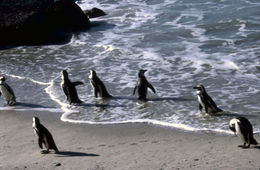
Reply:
x=90, y=76
x=91, y=80
x=8, y=96
x=200, y=101
x=238, y=132
x=34, y=128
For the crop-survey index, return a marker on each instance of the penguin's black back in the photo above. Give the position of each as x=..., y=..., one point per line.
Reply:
x=142, y=88
x=209, y=102
x=247, y=130
x=73, y=94
x=69, y=88
x=43, y=131
x=101, y=87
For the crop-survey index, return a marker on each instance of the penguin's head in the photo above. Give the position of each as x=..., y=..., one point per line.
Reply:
x=141, y=73
x=232, y=124
x=199, y=88
x=2, y=79
x=35, y=121
x=64, y=74
x=92, y=73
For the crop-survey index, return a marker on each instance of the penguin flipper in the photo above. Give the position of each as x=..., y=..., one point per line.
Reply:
x=151, y=87
x=205, y=103
x=200, y=107
x=134, y=90
x=0, y=93
x=77, y=83
x=40, y=141
x=96, y=92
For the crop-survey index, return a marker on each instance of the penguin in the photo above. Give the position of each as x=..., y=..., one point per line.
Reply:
x=7, y=92
x=142, y=85
x=44, y=136
x=243, y=128
x=205, y=101
x=69, y=88
x=98, y=86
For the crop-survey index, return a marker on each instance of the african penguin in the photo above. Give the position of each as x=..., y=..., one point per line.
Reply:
x=7, y=92
x=69, y=88
x=142, y=85
x=98, y=86
x=44, y=136
x=205, y=101
x=243, y=128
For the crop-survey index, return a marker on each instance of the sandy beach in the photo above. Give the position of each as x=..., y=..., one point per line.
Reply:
x=122, y=147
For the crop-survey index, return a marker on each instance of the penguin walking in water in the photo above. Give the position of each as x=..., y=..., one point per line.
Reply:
x=7, y=92
x=142, y=86
x=69, y=88
x=205, y=101
x=98, y=86
x=44, y=136
x=243, y=128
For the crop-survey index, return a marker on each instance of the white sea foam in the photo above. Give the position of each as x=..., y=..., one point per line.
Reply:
x=149, y=121
x=27, y=78
x=181, y=44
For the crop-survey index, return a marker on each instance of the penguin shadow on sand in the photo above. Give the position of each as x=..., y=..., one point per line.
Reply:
x=34, y=106
x=75, y=154
x=102, y=106
x=46, y=139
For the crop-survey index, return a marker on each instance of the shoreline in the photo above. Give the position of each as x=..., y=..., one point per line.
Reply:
x=120, y=146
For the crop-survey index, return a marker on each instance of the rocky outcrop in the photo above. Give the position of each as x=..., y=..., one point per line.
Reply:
x=95, y=12
x=29, y=22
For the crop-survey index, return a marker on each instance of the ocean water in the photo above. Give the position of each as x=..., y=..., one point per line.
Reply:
x=181, y=43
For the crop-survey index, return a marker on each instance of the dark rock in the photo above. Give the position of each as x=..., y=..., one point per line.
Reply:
x=94, y=13
x=58, y=164
x=32, y=22
x=66, y=15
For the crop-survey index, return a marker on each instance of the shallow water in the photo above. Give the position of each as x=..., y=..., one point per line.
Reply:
x=180, y=43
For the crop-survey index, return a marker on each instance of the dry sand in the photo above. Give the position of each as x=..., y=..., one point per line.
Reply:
x=117, y=147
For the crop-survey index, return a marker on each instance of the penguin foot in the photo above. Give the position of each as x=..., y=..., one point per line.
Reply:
x=45, y=152
x=243, y=146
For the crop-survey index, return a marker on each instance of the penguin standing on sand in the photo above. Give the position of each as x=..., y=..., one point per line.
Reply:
x=7, y=92
x=205, y=101
x=243, y=128
x=44, y=136
x=69, y=88
x=98, y=86
x=142, y=85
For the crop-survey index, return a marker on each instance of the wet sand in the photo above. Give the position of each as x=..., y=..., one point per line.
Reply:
x=118, y=147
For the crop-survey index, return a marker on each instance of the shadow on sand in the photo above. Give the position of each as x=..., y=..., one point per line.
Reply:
x=30, y=105
x=75, y=154
x=101, y=105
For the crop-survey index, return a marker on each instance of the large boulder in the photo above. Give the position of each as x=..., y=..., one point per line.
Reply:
x=94, y=13
x=24, y=22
